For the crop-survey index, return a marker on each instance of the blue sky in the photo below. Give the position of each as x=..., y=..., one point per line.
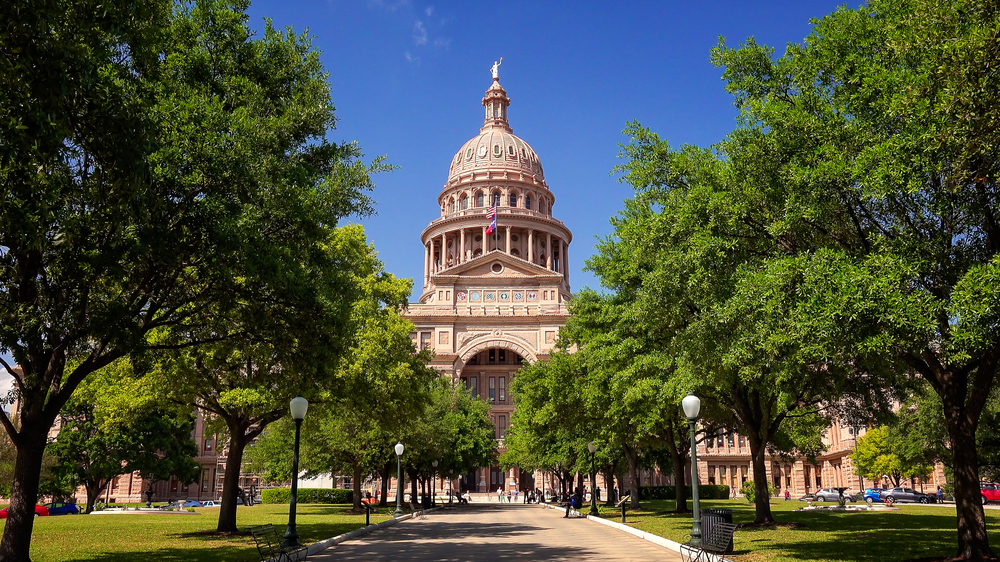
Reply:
x=407, y=78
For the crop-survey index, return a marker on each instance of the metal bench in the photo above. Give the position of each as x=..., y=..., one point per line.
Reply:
x=713, y=547
x=269, y=546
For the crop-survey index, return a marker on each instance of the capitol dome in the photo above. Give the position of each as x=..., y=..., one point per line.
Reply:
x=496, y=148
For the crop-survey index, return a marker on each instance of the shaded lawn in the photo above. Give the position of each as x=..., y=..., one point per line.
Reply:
x=175, y=538
x=912, y=532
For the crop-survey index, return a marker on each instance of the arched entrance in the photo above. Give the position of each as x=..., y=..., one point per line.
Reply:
x=487, y=373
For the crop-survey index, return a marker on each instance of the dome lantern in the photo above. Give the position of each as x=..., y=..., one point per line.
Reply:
x=496, y=103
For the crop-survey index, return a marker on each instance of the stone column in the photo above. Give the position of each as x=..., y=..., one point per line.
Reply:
x=427, y=264
x=507, y=247
x=461, y=257
x=565, y=259
x=486, y=243
x=562, y=257
x=548, y=250
x=531, y=245
x=444, y=250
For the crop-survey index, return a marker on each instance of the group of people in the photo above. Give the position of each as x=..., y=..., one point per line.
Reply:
x=511, y=496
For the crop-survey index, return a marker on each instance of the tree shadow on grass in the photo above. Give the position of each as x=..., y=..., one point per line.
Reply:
x=861, y=537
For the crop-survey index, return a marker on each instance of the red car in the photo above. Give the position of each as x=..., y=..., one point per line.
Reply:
x=989, y=491
x=40, y=511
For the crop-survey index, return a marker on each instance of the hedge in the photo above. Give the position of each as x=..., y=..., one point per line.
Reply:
x=307, y=495
x=705, y=492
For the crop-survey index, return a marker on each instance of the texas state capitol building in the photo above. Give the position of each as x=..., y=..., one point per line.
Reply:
x=491, y=301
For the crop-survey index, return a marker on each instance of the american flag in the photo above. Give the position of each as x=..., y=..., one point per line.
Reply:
x=492, y=215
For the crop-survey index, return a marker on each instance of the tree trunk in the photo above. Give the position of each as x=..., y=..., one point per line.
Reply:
x=973, y=543
x=680, y=496
x=609, y=485
x=16, y=543
x=234, y=463
x=94, y=490
x=357, y=484
x=413, y=489
x=383, y=501
x=762, y=500
x=632, y=456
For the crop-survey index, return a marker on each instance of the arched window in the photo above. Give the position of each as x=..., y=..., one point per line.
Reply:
x=527, y=201
x=479, y=199
x=451, y=205
x=465, y=202
x=496, y=198
x=512, y=200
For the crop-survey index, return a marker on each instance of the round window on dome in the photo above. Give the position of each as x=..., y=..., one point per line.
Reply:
x=496, y=150
x=468, y=153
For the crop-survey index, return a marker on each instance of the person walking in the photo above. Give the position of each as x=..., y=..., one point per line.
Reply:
x=940, y=495
x=499, y=494
x=788, y=496
x=515, y=495
x=508, y=496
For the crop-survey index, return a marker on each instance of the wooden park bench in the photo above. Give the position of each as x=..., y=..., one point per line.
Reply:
x=713, y=548
x=269, y=546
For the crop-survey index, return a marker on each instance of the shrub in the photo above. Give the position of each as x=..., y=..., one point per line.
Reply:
x=307, y=495
x=750, y=493
x=705, y=492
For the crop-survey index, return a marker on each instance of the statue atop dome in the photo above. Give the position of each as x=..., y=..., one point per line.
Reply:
x=496, y=69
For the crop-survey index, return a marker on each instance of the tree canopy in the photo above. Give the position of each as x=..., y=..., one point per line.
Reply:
x=163, y=170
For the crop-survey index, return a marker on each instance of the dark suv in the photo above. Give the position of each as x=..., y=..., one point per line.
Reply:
x=904, y=495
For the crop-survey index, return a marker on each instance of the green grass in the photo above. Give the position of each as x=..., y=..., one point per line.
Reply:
x=175, y=538
x=912, y=532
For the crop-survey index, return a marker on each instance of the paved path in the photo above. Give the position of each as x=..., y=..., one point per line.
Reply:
x=496, y=532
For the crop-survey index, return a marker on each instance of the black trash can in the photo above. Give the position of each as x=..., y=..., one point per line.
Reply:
x=711, y=516
x=425, y=502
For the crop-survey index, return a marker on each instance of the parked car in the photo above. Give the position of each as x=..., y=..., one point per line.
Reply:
x=832, y=495
x=808, y=498
x=989, y=491
x=59, y=508
x=40, y=511
x=210, y=503
x=906, y=495
x=873, y=495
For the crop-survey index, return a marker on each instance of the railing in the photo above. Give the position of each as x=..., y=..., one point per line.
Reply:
x=501, y=211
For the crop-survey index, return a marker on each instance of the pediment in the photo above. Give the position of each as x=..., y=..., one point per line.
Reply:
x=485, y=267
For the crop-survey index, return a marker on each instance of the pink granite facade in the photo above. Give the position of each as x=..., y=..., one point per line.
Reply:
x=491, y=300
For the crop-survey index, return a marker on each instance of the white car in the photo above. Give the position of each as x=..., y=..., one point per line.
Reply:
x=209, y=504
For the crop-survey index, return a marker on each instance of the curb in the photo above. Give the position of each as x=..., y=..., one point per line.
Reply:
x=322, y=545
x=655, y=539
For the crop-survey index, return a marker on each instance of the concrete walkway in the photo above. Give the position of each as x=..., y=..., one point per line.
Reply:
x=502, y=532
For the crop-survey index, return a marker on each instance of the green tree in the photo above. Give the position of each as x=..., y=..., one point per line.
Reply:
x=866, y=155
x=160, y=167
x=118, y=423
x=383, y=387
x=157, y=444
x=877, y=454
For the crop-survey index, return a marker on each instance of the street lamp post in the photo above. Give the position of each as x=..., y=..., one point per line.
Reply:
x=298, y=407
x=399, y=480
x=593, y=480
x=434, y=483
x=691, y=406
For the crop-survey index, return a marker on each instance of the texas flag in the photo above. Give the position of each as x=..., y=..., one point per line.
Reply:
x=492, y=215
